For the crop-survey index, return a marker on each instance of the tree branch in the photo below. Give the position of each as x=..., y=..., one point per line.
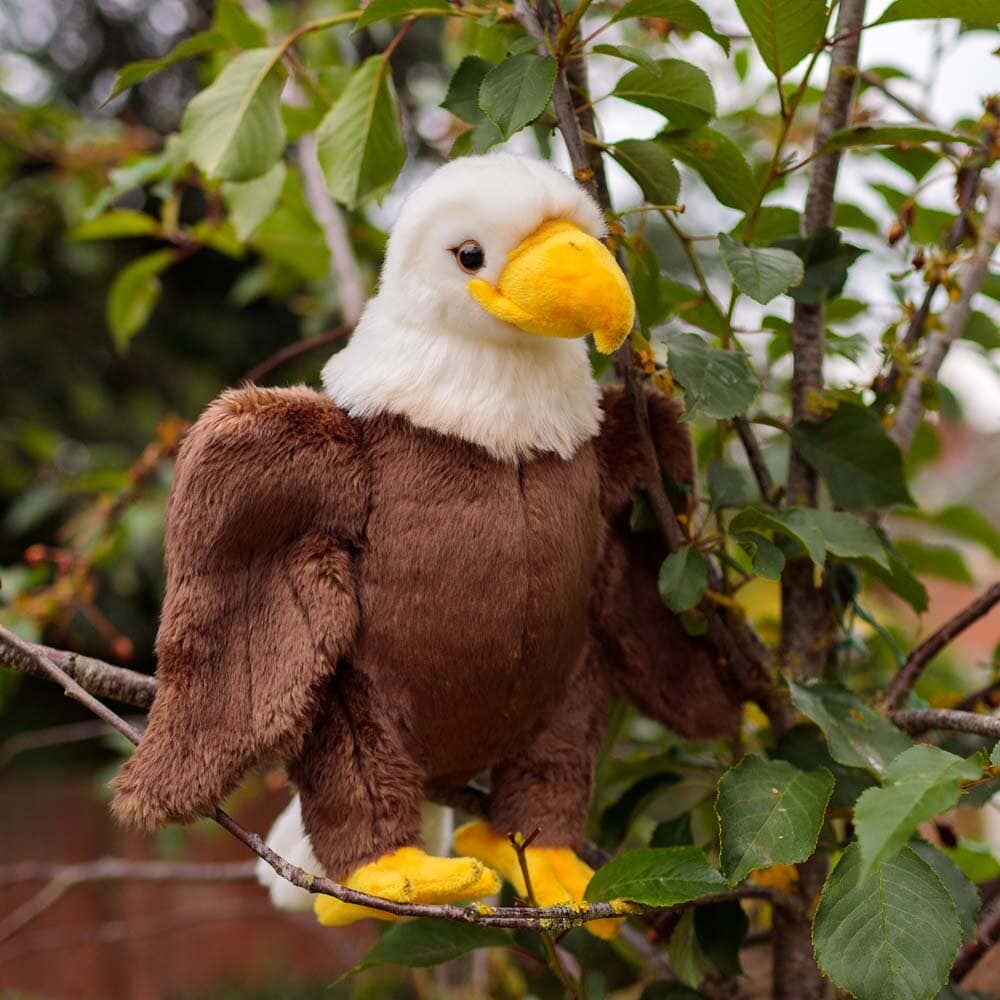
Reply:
x=987, y=935
x=921, y=720
x=971, y=275
x=915, y=663
x=286, y=354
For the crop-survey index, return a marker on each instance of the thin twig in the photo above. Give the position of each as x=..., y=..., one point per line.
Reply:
x=51, y=736
x=756, y=459
x=286, y=354
x=921, y=720
x=902, y=683
x=971, y=275
x=19, y=653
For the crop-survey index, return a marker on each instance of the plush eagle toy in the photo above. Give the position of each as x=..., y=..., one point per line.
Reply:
x=426, y=570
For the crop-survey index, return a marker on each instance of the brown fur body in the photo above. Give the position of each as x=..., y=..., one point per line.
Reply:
x=386, y=608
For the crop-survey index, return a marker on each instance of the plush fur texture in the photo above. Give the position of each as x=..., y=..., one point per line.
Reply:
x=427, y=350
x=384, y=608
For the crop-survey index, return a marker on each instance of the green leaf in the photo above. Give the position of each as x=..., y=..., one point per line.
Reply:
x=517, y=91
x=984, y=12
x=963, y=893
x=890, y=134
x=115, y=224
x=251, y=202
x=685, y=954
x=684, y=14
x=690, y=305
x=361, y=146
x=761, y=273
x=848, y=216
x=683, y=579
x=679, y=91
x=393, y=10
x=900, y=580
x=796, y=522
x=617, y=819
x=136, y=72
x=785, y=31
x=942, y=561
x=638, y=57
x=656, y=876
x=773, y=222
x=419, y=944
x=995, y=756
x=233, y=129
x=717, y=383
x=827, y=261
x=462, y=100
x=719, y=162
x=237, y=25
x=850, y=449
x=651, y=168
x=890, y=936
x=920, y=783
x=133, y=295
x=670, y=991
x=769, y=813
x=805, y=747
x=963, y=522
x=982, y=330
x=856, y=734
x=849, y=537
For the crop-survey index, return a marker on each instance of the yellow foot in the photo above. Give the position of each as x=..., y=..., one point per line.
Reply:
x=557, y=875
x=409, y=875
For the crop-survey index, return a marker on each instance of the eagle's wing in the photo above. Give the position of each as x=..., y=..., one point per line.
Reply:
x=671, y=676
x=269, y=499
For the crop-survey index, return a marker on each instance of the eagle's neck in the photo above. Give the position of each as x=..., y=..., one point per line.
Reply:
x=515, y=400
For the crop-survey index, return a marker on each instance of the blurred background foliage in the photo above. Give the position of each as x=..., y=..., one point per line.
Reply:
x=97, y=386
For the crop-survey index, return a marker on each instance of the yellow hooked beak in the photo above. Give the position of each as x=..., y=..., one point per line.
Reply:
x=561, y=282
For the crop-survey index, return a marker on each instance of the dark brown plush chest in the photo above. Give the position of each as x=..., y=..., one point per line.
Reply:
x=473, y=583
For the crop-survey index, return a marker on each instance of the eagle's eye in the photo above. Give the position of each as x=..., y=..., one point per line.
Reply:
x=470, y=256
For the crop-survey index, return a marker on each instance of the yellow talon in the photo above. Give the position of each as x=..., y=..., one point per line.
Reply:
x=409, y=875
x=558, y=876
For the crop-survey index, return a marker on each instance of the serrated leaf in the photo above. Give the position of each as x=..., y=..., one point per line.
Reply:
x=920, y=783
x=861, y=465
x=136, y=72
x=715, y=382
x=251, y=202
x=684, y=14
x=719, y=162
x=393, y=10
x=963, y=893
x=773, y=222
x=517, y=91
x=233, y=129
x=890, y=936
x=805, y=746
x=683, y=579
x=360, y=143
x=856, y=735
x=763, y=273
x=419, y=944
x=112, y=225
x=785, y=31
x=769, y=813
x=984, y=12
x=827, y=260
x=890, y=134
x=462, y=100
x=133, y=295
x=679, y=91
x=656, y=876
x=651, y=168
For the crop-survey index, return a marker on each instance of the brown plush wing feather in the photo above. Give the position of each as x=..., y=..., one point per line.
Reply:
x=669, y=675
x=269, y=499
